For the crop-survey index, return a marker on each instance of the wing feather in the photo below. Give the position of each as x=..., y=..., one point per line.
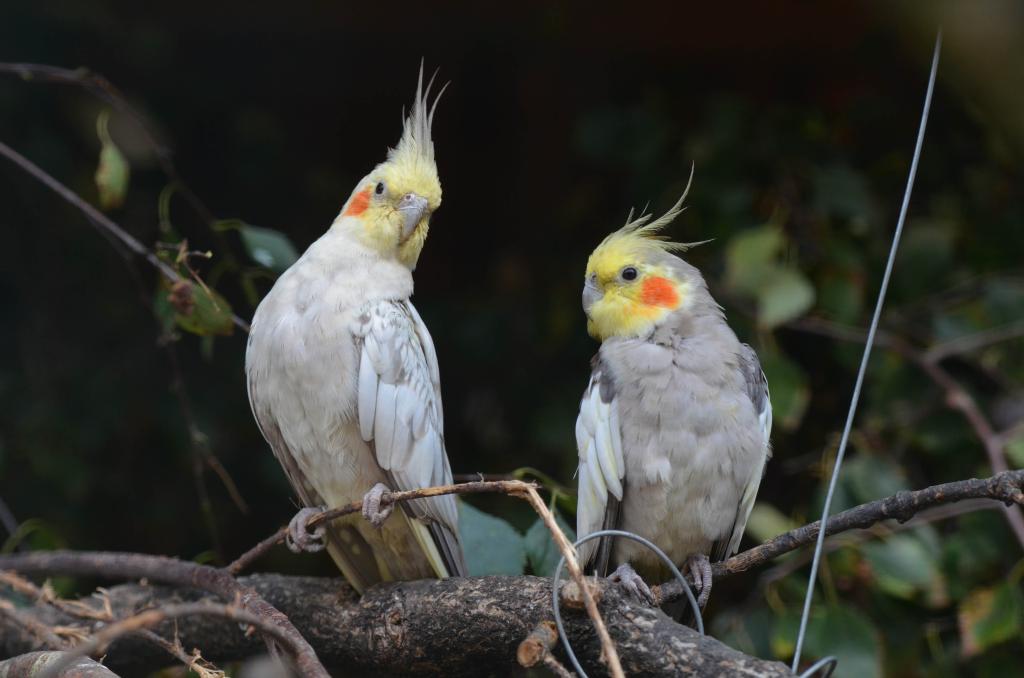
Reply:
x=757, y=389
x=366, y=397
x=398, y=363
x=602, y=467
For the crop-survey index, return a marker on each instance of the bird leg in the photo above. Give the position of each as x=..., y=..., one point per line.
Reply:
x=299, y=538
x=372, y=509
x=700, y=570
x=626, y=577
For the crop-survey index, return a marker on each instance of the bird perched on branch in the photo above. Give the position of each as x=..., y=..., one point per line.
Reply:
x=343, y=377
x=674, y=425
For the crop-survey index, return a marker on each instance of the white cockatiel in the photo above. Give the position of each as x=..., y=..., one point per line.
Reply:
x=673, y=430
x=343, y=377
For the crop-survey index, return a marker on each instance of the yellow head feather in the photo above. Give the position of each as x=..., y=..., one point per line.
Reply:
x=623, y=302
x=409, y=169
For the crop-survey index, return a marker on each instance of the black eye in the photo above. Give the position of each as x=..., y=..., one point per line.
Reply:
x=380, y=188
x=629, y=273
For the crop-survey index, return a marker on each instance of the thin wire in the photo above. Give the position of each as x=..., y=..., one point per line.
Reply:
x=867, y=352
x=640, y=540
x=830, y=661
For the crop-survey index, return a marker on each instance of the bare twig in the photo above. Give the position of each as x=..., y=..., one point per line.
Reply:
x=879, y=530
x=1006, y=487
x=148, y=618
x=171, y=571
x=460, y=626
x=960, y=400
x=536, y=649
x=105, y=91
x=973, y=342
x=511, y=487
x=100, y=221
x=194, y=662
x=956, y=397
x=29, y=627
x=514, y=488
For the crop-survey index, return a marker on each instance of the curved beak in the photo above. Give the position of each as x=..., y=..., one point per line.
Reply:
x=412, y=208
x=591, y=294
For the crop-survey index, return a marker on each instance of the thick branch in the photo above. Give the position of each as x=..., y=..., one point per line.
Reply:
x=170, y=571
x=37, y=664
x=433, y=627
x=513, y=488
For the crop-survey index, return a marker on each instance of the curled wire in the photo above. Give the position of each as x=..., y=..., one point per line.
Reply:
x=640, y=540
x=827, y=663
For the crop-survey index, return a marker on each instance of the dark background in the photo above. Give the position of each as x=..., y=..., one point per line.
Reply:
x=558, y=118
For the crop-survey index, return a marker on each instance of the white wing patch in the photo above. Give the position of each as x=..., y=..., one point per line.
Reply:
x=602, y=467
x=757, y=386
x=399, y=403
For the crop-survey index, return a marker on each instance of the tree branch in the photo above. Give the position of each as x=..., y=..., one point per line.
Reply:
x=956, y=397
x=1006, y=487
x=170, y=571
x=37, y=664
x=513, y=488
x=396, y=627
x=100, y=221
x=449, y=627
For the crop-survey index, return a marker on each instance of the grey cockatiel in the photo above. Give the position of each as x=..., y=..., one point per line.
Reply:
x=674, y=425
x=343, y=377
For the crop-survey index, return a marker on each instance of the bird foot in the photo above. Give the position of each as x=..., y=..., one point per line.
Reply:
x=700, y=570
x=299, y=537
x=372, y=509
x=626, y=577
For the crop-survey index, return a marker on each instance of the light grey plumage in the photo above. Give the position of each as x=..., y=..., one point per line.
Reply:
x=343, y=378
x=674, y=426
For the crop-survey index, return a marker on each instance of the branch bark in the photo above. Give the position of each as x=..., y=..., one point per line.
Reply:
x=36, y=664
x=171, y=571
x=451, y=626
x=1006, y=487
x=396, y=629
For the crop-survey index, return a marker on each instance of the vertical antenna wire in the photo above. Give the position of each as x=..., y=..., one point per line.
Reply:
x=867, y=354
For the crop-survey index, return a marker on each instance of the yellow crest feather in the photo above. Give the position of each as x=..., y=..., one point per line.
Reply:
x=416, y=145
x=638, y=240
x=644, y=232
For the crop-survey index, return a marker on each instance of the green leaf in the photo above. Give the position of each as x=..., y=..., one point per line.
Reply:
x=750, y=257
x=193, y=308
x=783, y=294
x=541, y=551
x=989, y=616
x=788, y=387
x=841, y=631
x=903, y=565
x=268, y=247
x=491, y=545
x=113, y=170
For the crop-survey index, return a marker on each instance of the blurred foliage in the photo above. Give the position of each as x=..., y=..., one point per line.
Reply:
x=801, y=136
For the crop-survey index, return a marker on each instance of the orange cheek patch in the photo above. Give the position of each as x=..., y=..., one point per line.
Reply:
x=359, y=204
x=659, y=292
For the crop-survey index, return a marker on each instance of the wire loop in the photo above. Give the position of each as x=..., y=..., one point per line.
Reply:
x=633, y=537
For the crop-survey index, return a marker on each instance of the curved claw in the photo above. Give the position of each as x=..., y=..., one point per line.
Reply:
x=299, y=537
x=626, y=577
x=372, y=509
x=700, y=569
